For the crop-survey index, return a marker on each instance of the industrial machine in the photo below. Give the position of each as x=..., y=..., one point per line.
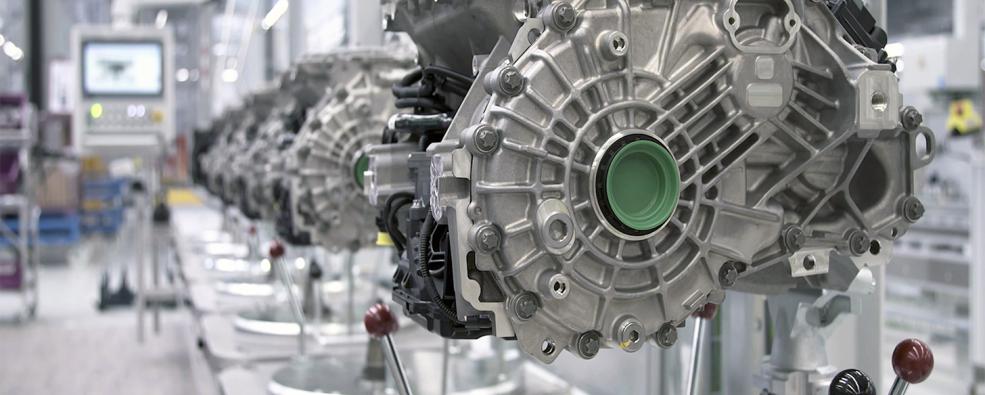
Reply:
x=125, y=98
x=586, y=175
x=331, y=157
x=581, y=176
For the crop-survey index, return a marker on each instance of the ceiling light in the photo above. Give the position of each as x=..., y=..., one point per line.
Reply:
x=274, y=15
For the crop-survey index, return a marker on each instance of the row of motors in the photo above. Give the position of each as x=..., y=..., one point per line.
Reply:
x=586, y=175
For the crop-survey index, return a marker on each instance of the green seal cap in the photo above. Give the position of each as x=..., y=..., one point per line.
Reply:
x=359, y=170
x=643, y=185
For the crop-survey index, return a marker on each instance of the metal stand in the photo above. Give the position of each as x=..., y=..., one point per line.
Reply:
x=977, y=288
x=702, y=319
x=802, y=321
x=24, y=238
x=292, y=296
x=157, y=295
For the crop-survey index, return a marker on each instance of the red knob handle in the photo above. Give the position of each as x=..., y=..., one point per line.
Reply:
x=707, y=312
x=379, y=321
x=913, y=361
x=276, y=249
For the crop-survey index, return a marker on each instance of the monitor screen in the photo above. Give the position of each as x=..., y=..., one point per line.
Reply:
x=122, y=68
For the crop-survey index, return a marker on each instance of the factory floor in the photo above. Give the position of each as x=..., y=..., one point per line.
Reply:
x=72, y=348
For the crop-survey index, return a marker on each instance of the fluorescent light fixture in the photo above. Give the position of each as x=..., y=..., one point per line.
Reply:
x=230, y=75
x=162, y=19
x=13, y=51
x=2, y=39
x=274, y=15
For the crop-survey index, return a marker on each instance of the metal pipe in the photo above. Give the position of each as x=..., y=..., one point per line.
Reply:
x=899, y=387
x=351, y=291
x=141, y=236
x=693, y=379
x=395, y=367
x=292, y=296
x=445, y=354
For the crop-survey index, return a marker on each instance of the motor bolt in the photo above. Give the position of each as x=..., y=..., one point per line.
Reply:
x=588, y=344
x=666, y=337
x=525, y=305
x=483, y=140
x=913, y=209
x=794, y=238
x=511, y=82
x=858, y=242
x=728, y=274
x=487, y=238
x=563, y=16
x=911, y=118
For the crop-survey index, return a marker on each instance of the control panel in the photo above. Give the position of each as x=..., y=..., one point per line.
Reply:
x=125, y=93
x=125, y=117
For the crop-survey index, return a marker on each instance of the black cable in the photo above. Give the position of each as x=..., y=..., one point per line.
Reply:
x=447, y=72
x=390, y=224
x=425, y=272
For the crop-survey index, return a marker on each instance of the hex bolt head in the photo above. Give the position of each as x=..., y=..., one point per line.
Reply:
x=487, y=238
x=630, y=335
x=911, y=118
x=483, y=140
x=562, y=16
x=588, y=344
x=728, y=274
x=858, y=242
x=525, y=305
x=510, y=81
x=794, y=238
x=666, y=337
x=913, y=209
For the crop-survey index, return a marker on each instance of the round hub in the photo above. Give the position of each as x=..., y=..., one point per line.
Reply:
x=638, y=185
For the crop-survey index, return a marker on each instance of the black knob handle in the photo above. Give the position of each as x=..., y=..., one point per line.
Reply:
x=852, y=382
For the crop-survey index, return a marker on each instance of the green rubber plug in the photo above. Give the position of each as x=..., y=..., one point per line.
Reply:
x=359, y=171
x=643, y=185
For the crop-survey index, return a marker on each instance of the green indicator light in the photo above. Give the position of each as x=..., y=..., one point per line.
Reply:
x=96, y=111
x=643, y=185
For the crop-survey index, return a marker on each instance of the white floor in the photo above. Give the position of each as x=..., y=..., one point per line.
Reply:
x=71, y=348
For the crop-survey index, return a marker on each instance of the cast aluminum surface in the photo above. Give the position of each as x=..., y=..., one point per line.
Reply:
x=329, y=202
x=301, y=89
x=781, y=128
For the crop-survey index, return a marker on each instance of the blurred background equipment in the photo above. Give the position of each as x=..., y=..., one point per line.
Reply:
x=481, y=197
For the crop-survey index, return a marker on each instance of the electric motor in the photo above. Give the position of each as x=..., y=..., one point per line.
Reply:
x=611, y=167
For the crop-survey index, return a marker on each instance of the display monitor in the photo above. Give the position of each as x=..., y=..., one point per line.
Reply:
x=122, y=68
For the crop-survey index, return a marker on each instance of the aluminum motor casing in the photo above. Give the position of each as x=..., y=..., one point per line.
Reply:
x=778, y=122
x=327, y=201
x=225, y=165
x=301, y=90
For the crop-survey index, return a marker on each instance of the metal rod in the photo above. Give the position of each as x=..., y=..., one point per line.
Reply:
x=396, y=369
x=155, y=277
x=899, y=387
x=445, y=356
x=141, y=239
x=693, y=379
x=292, y=297
x=317, y=295
x=351, y=285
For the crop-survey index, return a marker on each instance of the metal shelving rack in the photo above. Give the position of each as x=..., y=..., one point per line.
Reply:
x=24, y=236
